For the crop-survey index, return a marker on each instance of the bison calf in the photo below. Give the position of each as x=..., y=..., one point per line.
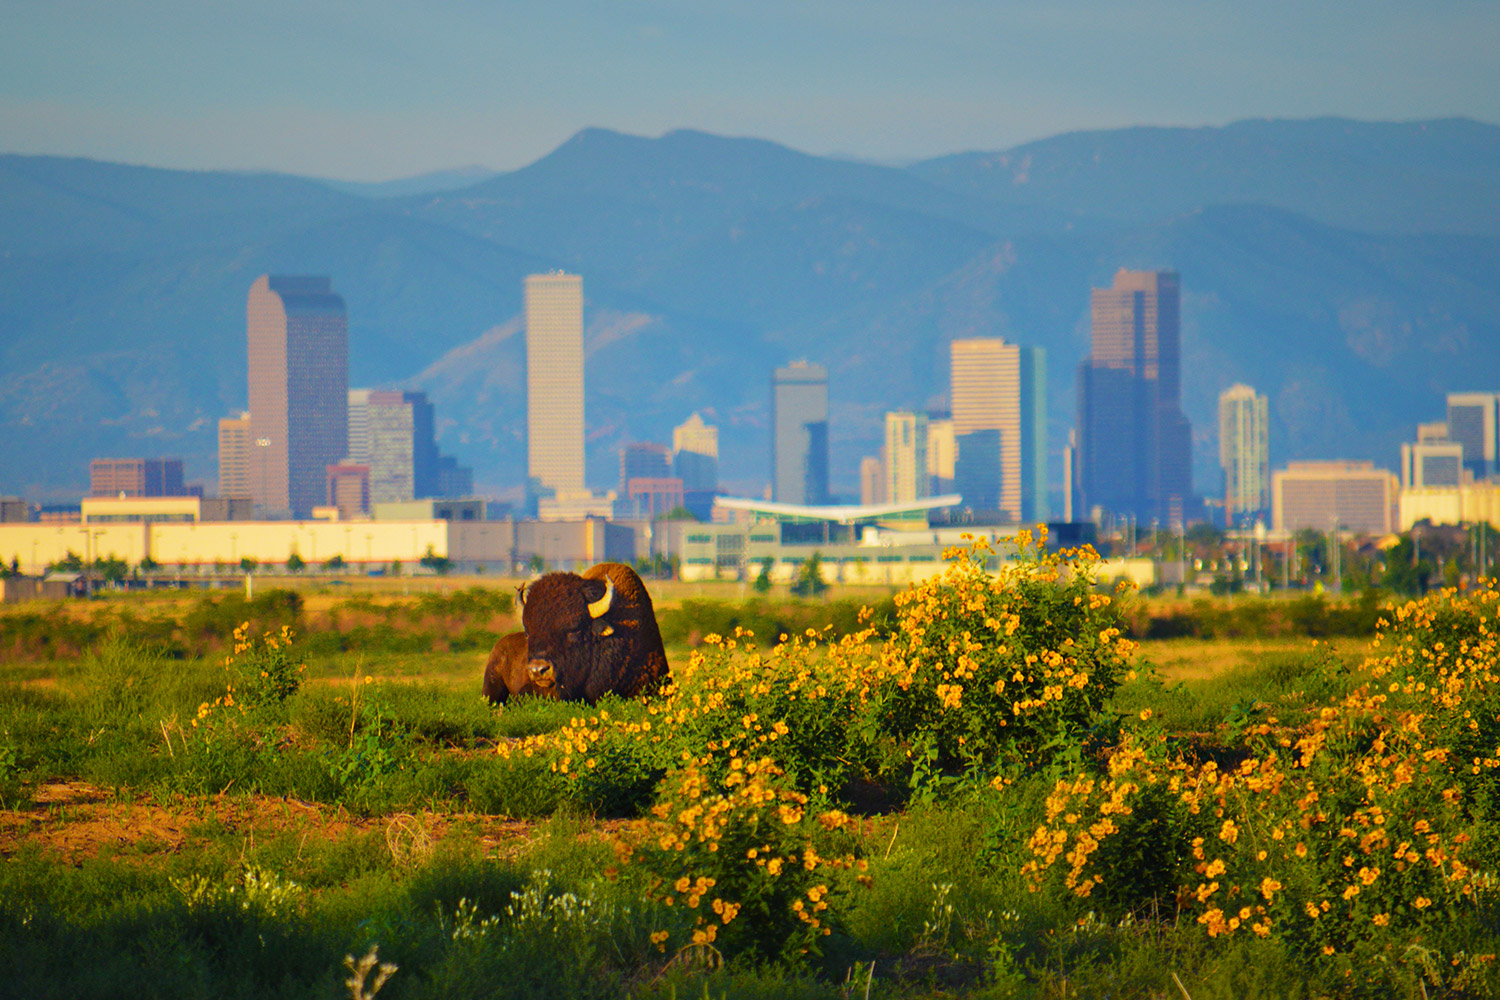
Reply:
x=593, y=634
x=505, y=673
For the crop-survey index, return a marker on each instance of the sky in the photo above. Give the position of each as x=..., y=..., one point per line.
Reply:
x=380, y=89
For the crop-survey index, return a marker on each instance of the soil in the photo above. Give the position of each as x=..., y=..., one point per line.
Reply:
x=81, y=821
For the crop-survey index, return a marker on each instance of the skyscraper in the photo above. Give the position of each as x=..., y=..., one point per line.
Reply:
x=871, y=481
x=234, y=457
x=1135, y=448
x=1474, y=422
x=298, y=338
x=554, y=383
x=1244, y=451
x=906, y=476
x=695, y=455
x=996, y=386
x=643, y=460
x=799, y=434
x=941, y=449
x=392, y=434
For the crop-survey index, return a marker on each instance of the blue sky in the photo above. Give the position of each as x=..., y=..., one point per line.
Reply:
x=380, y=89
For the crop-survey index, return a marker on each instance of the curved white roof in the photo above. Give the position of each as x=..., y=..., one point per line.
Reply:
x=839, y=513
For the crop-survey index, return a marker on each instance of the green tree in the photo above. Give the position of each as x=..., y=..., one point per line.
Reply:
x=810, y=582
x=438, y=564
x=295, y=563
x=248, y=563
x=70, y=563
x=148, y=564
x=113, y=569
x=1405, y=573
x=335, y=564
x=762, y=582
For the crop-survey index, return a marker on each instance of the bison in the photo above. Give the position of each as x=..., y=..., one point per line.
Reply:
x=592, y=634
x=505, y=674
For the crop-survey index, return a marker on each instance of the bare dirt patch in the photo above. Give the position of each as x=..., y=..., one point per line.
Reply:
x=80, y=821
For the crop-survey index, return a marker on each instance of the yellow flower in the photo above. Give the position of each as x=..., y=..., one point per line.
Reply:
x=1381, y=919
x=1145, y=714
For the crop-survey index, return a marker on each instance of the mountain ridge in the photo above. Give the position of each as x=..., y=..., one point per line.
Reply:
x=707, y=260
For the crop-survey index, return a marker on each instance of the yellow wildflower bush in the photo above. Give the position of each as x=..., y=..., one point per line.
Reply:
x=742, y=855
x=1013, y=665
x=1367, y=829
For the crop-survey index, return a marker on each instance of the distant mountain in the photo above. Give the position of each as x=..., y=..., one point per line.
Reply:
x=1349, y=270
x=1392, y=177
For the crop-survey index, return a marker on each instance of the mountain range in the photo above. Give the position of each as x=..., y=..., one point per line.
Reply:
x=1349, y=270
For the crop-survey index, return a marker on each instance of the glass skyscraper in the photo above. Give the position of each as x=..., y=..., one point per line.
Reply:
x=1135, y=447
x=298, y=339
x=799, y=434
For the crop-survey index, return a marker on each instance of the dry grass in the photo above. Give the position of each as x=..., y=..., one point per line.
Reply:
x=1202, y=659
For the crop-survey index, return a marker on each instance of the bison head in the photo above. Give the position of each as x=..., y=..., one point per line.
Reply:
x=592, y=635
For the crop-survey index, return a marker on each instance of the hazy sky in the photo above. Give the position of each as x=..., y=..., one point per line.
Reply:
x=377, y=89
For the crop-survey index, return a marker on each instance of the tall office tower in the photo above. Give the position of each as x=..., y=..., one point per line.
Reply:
x=979, y=473
x=1474, y=422
x=136, y=477
x=799, y=434
x=695, y=455
x=941, y=449
x=906, y=457
x=554, y=383
x=871, y=481
x=1136, y=445
x=1244, y=451
x=298, y=336
x=644, y=460
x=454, y=481
x=392, y=434
x=995, y=386
x=234, y=457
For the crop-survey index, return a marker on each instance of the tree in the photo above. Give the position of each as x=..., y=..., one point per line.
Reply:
x=112, y=569
x=438, y=564
x=810, y=582
x=248, y=563
x=395, y=569
x=762, y=582
x=148, y=564
x=295, y=563
x=336, y=563
x=70, y=563
x=679, y=514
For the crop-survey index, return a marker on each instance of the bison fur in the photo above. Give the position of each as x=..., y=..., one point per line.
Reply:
x=593, y=634
x=505, y=673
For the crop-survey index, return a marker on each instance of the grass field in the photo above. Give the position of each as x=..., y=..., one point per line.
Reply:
x=991, y=795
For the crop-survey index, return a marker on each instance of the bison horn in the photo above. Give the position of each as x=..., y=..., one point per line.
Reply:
x=521, y=595
x=601, y=606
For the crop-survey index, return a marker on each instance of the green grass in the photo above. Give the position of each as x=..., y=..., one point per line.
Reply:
x=262, y=850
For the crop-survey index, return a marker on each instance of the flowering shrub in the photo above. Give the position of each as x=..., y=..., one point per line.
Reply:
x=742, y=859
x=1357, y=833
x=1018, y=665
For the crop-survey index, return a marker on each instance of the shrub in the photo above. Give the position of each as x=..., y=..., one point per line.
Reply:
x=1013, y=667
x=739, y=857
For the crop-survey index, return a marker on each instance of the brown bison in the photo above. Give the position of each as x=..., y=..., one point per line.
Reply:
x=505, y=674
x=592, y=634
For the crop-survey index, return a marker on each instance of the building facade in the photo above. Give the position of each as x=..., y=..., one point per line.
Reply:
x=136, y=477
x=799, y=434
x=1244, y=451
x=695, y=455
x=234, y=456
x=1135, y=443
x=906, y=477
x=1324, y=496
x=298, y=340
x=1432, y=464
x=554, y=383
x=1474, y=423
x=941, y=453
x=996, y=386
x=643, y=460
